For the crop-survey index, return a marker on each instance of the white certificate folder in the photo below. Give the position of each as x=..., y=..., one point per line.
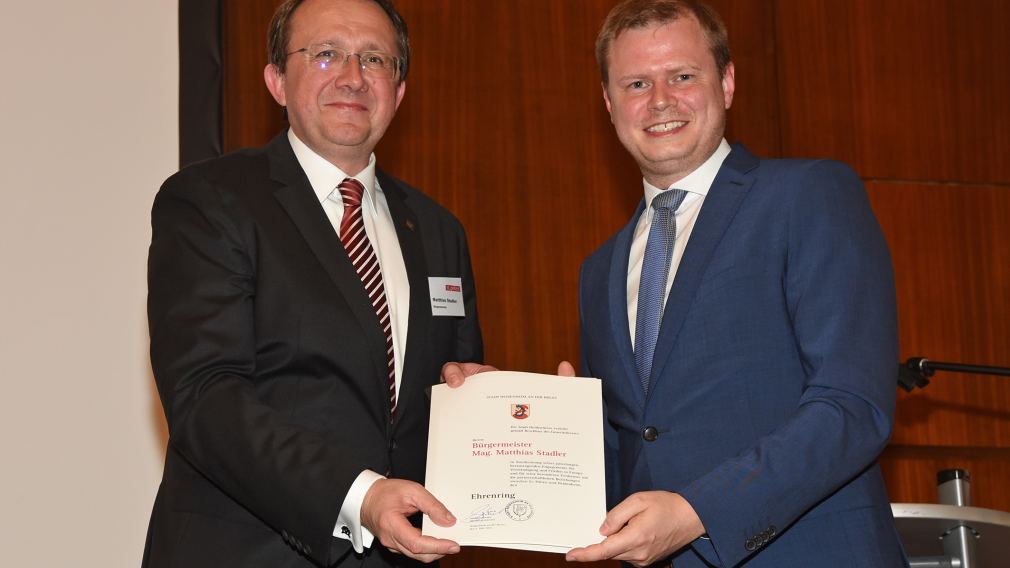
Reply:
x=518, y=459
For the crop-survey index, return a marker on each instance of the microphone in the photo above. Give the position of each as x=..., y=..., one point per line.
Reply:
x=916, y=371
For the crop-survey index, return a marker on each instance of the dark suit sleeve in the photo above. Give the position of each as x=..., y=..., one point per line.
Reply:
x=202, y=288
x=839, y=289
x=469, y=341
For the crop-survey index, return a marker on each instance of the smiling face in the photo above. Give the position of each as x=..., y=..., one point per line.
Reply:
x=340, y=113
x=666, y=98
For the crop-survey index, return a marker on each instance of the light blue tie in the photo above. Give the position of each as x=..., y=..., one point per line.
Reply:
x=655, y=272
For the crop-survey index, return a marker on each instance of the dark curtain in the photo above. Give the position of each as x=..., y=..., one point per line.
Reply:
x=200, y=80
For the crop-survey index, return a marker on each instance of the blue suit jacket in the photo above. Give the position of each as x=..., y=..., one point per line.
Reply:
x=773, y=384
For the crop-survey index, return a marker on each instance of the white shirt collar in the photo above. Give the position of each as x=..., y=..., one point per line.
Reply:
x=324, y=177
x=699, y=181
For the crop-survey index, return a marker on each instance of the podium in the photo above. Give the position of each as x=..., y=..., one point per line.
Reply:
x=923, y=528
x=953, y=534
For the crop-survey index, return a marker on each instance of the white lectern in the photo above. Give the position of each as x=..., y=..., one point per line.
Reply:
x=953, y=534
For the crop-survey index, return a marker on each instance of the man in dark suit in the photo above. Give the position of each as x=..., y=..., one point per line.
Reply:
x=743, y=325
x=292, y=325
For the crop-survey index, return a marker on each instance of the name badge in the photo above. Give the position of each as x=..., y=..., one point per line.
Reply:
x=446, y=296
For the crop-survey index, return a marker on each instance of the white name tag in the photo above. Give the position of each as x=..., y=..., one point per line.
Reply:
x=446, y=296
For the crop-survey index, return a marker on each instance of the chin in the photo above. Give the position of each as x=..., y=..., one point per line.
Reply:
x=660, y=158
x=348, y=136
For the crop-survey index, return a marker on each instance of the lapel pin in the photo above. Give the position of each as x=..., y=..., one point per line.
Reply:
x=409, y=224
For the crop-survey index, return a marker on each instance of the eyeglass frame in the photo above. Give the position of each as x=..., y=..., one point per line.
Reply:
x=307, y=52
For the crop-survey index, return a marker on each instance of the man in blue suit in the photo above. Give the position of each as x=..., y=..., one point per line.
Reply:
x=742, y=323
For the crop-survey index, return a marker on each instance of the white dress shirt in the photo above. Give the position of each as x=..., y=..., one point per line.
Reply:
x=696, y=184
x=324, y=177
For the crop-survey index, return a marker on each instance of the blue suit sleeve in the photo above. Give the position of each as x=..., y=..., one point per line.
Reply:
x=839, y=289
x=610, y=439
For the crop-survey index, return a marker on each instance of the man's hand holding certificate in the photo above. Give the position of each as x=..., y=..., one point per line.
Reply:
x=518, y=458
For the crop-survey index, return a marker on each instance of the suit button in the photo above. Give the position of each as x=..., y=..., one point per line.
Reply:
x=749, y=545
x=650, y=434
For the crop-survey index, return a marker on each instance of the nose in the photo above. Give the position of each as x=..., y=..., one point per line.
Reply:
x=350, y=74
x=662, y=97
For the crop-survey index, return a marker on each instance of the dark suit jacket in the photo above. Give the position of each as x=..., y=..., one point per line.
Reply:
x=773, y=384
x=270, y=361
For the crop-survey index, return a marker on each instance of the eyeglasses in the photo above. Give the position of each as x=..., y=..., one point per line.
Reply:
x=324, y=57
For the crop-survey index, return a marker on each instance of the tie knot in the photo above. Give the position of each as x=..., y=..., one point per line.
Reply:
x=669, y=199
x=351, y=191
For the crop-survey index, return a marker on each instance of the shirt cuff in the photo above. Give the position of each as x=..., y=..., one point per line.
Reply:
x=349, y=520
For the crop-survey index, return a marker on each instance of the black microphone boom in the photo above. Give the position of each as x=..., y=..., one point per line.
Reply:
x=917, y=370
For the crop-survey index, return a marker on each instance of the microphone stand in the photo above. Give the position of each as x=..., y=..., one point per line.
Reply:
x=950, y=519
x=916, y=371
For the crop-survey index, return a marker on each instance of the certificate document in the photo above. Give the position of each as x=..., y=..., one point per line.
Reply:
x=518, y=459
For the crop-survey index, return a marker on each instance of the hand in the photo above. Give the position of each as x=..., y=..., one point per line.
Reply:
x=646, y=527
x=384, y=512
x=566, y=369
x=454, y=374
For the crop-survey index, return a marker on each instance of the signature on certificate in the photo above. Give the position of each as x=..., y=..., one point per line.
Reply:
x=484, y=512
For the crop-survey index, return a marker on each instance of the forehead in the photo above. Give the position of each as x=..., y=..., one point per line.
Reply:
x=680, y=42
x=350, y=21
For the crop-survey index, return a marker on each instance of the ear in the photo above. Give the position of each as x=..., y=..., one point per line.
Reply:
x=729, y=84
x=275, y=83
x=400, y=90
x=606, y=101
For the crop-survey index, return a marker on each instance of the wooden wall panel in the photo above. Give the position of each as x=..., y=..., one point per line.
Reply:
x=900, y=89
x=251, y=117
x=904, y=91
x=950, y=247
x=905, y=468
x=754, y=117
x=504, y=124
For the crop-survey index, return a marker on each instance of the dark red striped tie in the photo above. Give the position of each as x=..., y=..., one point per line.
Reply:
x=355, y=240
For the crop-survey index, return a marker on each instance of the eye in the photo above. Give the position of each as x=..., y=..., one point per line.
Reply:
x=374, y=60
x=325, y=54
x=683, y=77
x=636, y=85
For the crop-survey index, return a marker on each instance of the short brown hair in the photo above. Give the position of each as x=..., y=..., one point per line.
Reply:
x=633, y=14
x=279, y=34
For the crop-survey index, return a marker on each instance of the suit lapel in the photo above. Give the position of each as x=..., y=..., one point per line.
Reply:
x=618, y=300
x=721, y=204
x=299, y=201
x=408, y=233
